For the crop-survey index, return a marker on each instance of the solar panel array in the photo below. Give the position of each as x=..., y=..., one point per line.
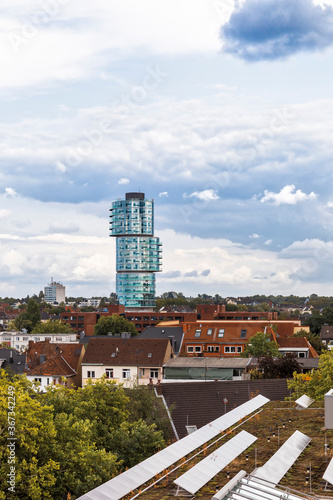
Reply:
x=279, y=464
x=204, y=471
x=254, y=489
x=304, y=401
x=328, y=474
x=133, y=478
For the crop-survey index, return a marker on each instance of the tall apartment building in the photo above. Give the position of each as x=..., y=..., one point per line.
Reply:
x=54, y=292
x=139, y=252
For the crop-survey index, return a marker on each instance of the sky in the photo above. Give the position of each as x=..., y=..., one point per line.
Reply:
x=219, y=110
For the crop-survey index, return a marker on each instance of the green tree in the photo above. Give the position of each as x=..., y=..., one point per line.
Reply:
x=260, y=345
x=52, y=327
x=114, y=324
x=29, y=318
x=317, y=383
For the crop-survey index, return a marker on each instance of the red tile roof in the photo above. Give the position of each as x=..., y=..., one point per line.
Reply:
x=60, y=359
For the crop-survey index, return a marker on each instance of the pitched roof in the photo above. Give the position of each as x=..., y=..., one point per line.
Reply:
x=326, y=332
x=297, y=343
x=159, y=332
x=10, y=358
x=198, y=403
x=130, y=352
x=49, y=359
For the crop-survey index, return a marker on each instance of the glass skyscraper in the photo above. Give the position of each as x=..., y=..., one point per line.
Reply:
x=139, y=252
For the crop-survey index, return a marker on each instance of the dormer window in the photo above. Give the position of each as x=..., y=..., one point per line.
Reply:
x=243, y=333
x=221, y=332
x=197, y=333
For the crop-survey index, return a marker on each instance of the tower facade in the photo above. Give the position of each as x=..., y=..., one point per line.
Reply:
x=54, y=292
x=139, y=252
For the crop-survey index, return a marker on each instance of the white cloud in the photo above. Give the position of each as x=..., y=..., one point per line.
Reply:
x=287, y=196
x=205, y=195
x=123, y=181
x=164, y=194
x=4, y=213
x=10, y=193
x=254, y=236
x=61, y=167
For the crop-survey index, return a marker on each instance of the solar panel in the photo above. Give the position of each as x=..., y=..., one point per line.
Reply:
x=204, y=471
x=328, y=474
x=279, y=464
x=304, y=401
x=248, y=488
x=146, y=470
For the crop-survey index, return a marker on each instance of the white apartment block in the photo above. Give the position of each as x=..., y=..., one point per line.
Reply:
x=20, y=340
x=54, y=293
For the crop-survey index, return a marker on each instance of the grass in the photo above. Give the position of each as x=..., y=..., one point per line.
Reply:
x=308, y=421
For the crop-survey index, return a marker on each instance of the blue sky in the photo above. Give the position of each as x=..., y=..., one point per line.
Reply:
x=219, y=110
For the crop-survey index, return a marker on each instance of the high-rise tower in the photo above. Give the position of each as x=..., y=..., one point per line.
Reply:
x=139, y=252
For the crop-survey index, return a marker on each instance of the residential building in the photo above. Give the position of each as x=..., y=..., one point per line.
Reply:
x=174, y=333
x=299, y=346
x=228, y=338
x=20, y=340
x=326, y=336
x=54, y=364
x=125, y=360
x=138, y=251
x=54, y=293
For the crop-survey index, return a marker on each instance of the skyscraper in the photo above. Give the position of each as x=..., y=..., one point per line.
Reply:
x=138, y=251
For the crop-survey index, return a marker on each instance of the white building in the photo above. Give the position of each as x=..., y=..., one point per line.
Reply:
x=20, y=340
x=54, y=293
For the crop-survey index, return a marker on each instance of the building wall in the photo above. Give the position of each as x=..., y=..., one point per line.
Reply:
x=142, y=375
x=138, y=252
x=46, y=381
x=54, y=292
x=20, y=341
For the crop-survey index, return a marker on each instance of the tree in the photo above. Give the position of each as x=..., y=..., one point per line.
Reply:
x=52, y=327
x=114, y=324
x=29, y=318
x=260, y=345
x=282, y=367
x=317, y=383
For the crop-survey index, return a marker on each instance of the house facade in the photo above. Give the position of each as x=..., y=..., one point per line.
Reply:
x=20, y=340
x=125, y=361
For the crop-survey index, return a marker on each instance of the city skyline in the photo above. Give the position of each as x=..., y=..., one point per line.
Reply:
x=221, y=114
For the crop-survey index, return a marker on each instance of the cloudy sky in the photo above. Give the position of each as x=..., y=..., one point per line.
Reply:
x=220, y=110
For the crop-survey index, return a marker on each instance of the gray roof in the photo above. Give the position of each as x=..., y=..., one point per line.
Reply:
x=164, y=332
x=18, y=360
x=189, y=362
x=308, y=362
x=326, y=332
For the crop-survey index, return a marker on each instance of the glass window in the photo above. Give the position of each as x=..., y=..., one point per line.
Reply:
x=109, y=372
x=221, y=332
x=126, y=373
x=209, y=331
x=190, y=348
x=239, y=348
x=226, y=348
x=153, y=373
x=90, y=374
x=198, y=348
x=210, y=348
x=197, y=333
x=243, y=333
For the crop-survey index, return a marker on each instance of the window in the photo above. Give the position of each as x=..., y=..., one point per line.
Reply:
x=221, y=332
x=209, y=331
x=90, y=374
x=197, y=333
x=153, y=373
x=190, y=348
x=236, y=373
x=301, y=354
x=198, y=348
x=109, y=372
x=126, y=373
x=229, y=348
x=243, y=333
x=17, y=338
x=150, y=354
x=38, y=380
x=239, y=348
x=210, y=348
